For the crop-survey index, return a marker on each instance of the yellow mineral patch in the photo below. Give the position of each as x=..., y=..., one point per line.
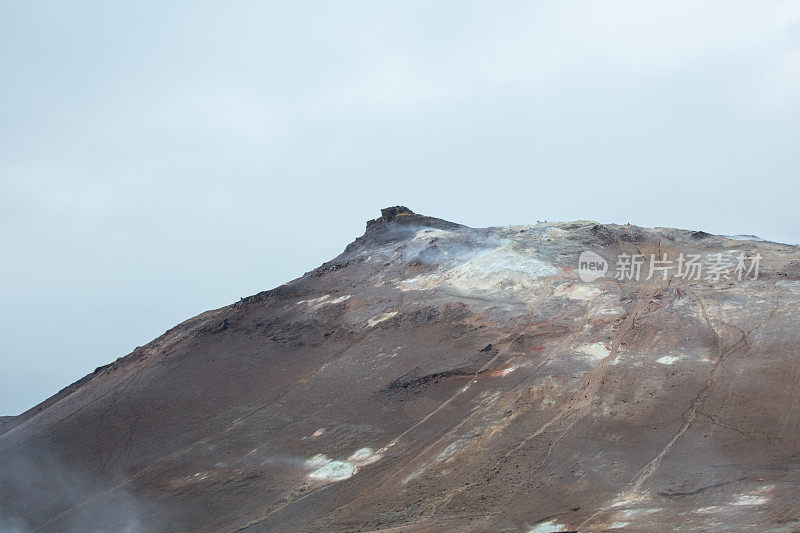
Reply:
x=502, y=268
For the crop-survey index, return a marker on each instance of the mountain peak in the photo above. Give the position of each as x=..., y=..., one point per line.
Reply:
x=389, y=214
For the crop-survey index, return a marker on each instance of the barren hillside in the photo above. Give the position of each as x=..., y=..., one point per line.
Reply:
x=439, y=377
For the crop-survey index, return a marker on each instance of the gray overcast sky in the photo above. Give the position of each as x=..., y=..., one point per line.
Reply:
x=162, y=158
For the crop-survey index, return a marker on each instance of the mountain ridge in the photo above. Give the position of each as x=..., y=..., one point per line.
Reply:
x=435, y=376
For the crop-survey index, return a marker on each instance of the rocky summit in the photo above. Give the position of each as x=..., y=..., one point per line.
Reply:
x=437, y=377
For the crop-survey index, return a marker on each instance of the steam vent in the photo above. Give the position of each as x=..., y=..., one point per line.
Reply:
x=437, y=377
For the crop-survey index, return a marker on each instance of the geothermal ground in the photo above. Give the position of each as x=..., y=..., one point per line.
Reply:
x=436, y=377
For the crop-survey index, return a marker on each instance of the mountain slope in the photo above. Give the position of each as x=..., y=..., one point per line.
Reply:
x=434, y=377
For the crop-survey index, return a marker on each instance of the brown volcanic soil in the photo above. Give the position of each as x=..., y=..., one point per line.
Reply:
x=439, y=377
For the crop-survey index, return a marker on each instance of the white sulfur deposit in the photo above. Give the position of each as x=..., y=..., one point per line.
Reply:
x=326, y=469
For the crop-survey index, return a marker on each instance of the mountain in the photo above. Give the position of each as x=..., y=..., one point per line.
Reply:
x=439, y=377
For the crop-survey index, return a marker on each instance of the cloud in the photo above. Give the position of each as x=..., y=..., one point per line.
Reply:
x=147, y=149
x=619, y=42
